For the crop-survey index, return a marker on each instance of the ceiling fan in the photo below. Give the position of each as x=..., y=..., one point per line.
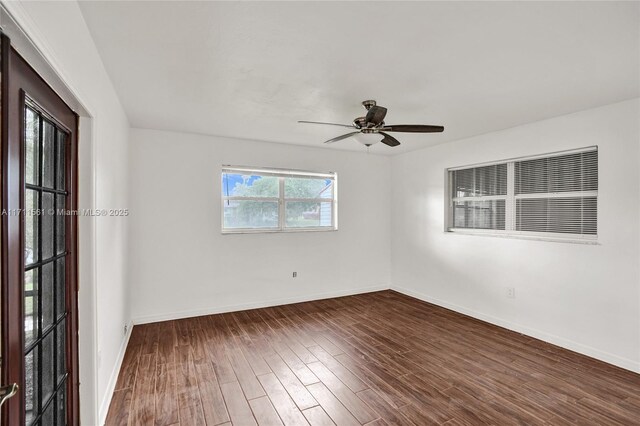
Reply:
x=369, y=129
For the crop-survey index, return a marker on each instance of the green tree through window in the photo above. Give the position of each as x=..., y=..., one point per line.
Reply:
x=253, y=201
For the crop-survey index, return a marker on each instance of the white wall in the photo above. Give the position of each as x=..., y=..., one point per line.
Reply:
x=59, y=31
x=583, y=297
x=181, y=265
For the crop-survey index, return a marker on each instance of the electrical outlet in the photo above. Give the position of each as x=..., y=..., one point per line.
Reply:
x=295, y=274
x=511, y=292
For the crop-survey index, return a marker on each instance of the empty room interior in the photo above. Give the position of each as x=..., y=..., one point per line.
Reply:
x=320, y=213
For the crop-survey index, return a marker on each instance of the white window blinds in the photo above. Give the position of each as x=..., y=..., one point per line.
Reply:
x=558, y=194
x=479, y=197
x=555, y=194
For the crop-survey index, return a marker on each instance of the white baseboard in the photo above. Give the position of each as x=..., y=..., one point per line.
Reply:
x=104, y=406
x=255, y=305
x=627, y=364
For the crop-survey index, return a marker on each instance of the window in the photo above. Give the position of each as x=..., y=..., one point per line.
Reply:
x=273, y=200
x=554, y=195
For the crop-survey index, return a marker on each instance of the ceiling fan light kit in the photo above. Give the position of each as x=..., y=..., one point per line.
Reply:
x=367, y=139
x=371, y=129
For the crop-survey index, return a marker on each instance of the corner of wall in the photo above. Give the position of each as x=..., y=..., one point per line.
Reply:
x=113, y=378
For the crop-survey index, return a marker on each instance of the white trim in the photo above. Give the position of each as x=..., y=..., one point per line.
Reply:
x=277, y=172
x=627, y=364
x=282, y=211
x=527, y=235
x=257, y=304
x=242, y=198
x=275, y=199
x=510, y=202
x=308, y=200
x=113, y=379
x=277, y=230
x=91, y=252
x=480, y=198
x=545, y=195
x=334, y=205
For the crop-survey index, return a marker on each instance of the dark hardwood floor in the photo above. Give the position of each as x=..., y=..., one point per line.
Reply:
x=376, y=359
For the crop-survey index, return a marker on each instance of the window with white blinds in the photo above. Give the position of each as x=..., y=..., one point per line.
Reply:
x=479, y=197
x=554, y=195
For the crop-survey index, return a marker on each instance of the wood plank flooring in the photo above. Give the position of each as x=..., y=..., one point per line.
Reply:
x=372, y=359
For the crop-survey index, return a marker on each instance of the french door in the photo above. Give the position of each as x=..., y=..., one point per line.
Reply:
x=39, y=250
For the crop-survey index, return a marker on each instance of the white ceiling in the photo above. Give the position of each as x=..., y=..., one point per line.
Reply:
x=251, y=70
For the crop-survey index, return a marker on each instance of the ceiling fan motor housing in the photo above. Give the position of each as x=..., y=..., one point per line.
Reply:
x=368, y=104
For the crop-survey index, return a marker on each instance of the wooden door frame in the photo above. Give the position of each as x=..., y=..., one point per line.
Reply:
x=13, y=77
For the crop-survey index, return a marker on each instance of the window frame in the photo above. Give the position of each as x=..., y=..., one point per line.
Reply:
x=281, y=199
x=510, y=202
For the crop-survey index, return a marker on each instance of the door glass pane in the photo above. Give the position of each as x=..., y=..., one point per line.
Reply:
x=47, y=303
x=32, y=148
x=60, y=219
x=48, y=154
x=60, y=287
x=31, y=218
x=62, y=406
x=61, y=350
x=49, y=415
x=31, y=384
x=30, y=306
x=48, y=368
x=60, y=160
x=47, y=225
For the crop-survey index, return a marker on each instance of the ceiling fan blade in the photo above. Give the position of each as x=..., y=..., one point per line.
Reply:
x=375, y=115
x=351, y=126
x=389, y=140
x=339, y=138
x=413, y=128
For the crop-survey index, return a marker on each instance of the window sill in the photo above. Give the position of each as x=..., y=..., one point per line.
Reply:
x=528, y=236
x=276, y=231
